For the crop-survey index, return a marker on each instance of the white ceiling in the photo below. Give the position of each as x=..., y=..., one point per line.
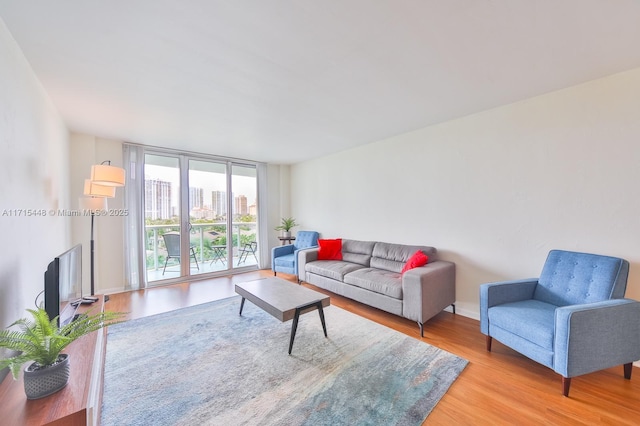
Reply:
x=284, y=81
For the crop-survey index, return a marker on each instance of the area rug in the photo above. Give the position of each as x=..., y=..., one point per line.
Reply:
x=206, y=365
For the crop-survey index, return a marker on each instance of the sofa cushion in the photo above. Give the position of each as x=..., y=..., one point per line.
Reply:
x=376, y=280
x=286, y=261
x=531, y=320
x=334, y=269
x=418, y=259
x=330, y=249
x=392, y=257
x=357, y=251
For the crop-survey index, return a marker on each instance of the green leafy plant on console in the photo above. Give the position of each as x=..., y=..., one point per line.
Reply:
x=39, y=338
x=286, y=225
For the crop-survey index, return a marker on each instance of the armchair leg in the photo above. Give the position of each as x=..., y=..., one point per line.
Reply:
x=421, y=329
x=566, y=382
x=274, y=273
x=627, y=370
x=489, y=340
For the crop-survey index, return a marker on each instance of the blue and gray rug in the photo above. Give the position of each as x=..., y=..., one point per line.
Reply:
x=206, y=365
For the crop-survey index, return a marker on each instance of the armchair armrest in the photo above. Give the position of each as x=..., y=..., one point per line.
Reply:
x=427, y=290
x=594, y=336
x=304, y=256
x=492, y=294
x=280, y=251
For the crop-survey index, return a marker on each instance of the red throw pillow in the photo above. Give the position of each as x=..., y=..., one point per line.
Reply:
x=330, y=249
x=418, y=259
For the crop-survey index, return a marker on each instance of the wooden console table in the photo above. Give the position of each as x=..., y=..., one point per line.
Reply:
x=78, y=403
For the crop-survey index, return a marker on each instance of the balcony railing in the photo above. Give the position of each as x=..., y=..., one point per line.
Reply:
x=205, y=238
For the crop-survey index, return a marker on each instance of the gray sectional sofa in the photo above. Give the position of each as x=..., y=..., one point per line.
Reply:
x=369, y=272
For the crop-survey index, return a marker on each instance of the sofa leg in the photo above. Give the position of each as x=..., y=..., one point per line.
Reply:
x=489, y=339
x=421, y=329
x=627, y=370
x=453, y=306
x=566, y=382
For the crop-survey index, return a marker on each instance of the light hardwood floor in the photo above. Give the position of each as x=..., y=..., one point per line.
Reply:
x=498, y=387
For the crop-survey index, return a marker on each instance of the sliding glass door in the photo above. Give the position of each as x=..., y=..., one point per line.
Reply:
x=200, y=216
x=162, y=216
x=244, y=215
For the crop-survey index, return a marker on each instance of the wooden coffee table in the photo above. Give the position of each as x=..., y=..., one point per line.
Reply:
x=283, y=300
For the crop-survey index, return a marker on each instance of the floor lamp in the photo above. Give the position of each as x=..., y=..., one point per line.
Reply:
x=93, y=205
x=102, y=185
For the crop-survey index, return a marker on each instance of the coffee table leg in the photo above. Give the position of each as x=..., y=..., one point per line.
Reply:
x=296, y=316
x=321, y=313
x=294, y=327
x=241, y=306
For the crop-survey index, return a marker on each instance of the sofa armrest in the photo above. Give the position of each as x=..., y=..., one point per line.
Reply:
x=427, y=290
x=296, y=258
x=595, y=336
x=280, y=251
x=493, y=294
x=304, y=256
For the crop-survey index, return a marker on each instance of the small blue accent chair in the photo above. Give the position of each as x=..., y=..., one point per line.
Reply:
x=285, y=258
x=573, y=319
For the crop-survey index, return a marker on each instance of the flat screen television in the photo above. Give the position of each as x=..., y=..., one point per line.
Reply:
x=63, y=285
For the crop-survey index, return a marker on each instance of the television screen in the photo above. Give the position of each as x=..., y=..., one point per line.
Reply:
x=63, y=285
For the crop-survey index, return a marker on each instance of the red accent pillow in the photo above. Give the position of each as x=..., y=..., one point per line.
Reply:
x=418, y=259
x=330, y=249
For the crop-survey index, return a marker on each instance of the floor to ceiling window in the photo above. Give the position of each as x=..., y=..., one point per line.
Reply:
x=200, y=216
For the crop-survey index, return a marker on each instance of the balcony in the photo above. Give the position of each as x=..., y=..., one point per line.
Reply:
x=209, y=244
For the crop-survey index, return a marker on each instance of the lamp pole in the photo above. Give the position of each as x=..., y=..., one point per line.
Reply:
x=92, y=256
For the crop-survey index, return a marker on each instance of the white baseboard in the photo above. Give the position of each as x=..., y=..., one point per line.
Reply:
x=465, y=313
x=112, y=290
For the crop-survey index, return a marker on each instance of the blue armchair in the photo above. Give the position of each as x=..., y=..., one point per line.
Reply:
x=285, y=258
x=573, y=319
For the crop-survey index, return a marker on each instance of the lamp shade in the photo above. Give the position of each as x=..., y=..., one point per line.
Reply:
x=107, y=175
x=95, y=190
x=93, y=203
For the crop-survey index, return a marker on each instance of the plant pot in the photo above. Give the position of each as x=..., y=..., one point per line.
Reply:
x=41, y=382
x=286, y=234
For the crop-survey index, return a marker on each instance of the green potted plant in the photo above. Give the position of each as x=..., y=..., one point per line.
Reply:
x=286, y=225
x=39, y=339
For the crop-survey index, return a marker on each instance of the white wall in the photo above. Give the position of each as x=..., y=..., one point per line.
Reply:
x=495, y=191
x=277, y=201
x=34, y=160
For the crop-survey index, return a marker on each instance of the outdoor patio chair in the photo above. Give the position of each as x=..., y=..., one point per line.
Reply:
x=172, y=243
x=248, y=248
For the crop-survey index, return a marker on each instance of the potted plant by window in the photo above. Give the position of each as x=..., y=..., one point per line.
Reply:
x=39, y=339
x=286, y=225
